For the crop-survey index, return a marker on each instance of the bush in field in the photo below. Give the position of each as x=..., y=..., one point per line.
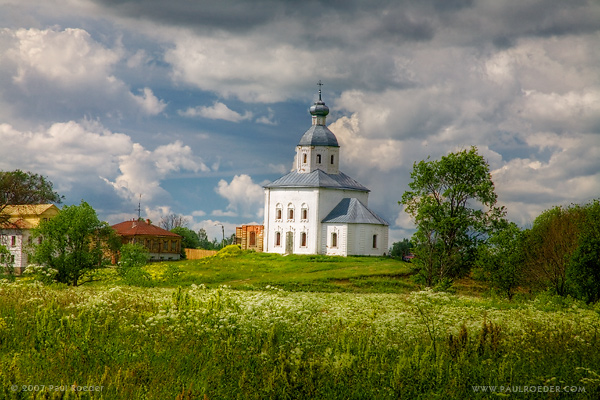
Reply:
x=133, y=257
x=501, y=259
x=6, y=266
x=232, y=250
x=41, y=273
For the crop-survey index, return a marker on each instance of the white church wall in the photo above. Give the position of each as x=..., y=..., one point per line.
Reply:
x=296, y=200
x=337, y=246
x=361, y=241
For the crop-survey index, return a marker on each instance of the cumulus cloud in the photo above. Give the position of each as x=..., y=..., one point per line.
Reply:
x=141, y=171
x=86, y=155
x=66, y=74
x=245, y=197
x=69, y=57
x=68, y=152
x=217, y=111
x=149, y=102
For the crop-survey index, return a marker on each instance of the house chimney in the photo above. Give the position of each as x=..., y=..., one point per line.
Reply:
x=148, y=221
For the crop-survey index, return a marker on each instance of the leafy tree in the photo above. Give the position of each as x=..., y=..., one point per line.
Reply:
x=502, y=259
x=583, y=273
x=189, y=239
x=449, y=227
x=74, y=242
x=549, y=246
x=401, y=249
x=18, y=187
x=204, y=242
x=172, y=221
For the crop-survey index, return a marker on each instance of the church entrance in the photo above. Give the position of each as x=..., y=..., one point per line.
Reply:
x=289, y=243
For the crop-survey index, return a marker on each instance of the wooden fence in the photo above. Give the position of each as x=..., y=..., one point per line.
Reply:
x=195, y=254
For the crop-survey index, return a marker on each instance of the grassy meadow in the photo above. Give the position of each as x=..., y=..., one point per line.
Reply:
x=262, y=326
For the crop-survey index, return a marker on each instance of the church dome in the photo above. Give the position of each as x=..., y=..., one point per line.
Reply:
x=318, y=135
x=319, y=108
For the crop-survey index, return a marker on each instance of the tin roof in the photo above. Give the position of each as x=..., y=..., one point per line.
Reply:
x=315, y=179
x=318, y=135
x=140, y=227
x=352, y=211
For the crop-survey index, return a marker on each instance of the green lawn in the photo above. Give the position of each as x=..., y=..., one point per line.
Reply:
x=254, y=271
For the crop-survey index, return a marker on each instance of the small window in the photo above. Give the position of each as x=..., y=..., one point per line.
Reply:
x=374, y=241
x=332, y=159
x=290, y=214
x=278, y=213
x=334, y=240
x=304, y=213
x=252, y=238
x=277, y=238
x=303, y=239
x=318, y=159
x=13, y=241
x=304, y=159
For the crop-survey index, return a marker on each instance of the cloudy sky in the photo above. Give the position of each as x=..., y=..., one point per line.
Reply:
x=194, y=105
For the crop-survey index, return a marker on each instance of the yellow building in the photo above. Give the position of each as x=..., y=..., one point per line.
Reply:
x=15, y=232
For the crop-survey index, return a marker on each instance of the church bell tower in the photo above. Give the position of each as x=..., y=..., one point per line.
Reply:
x=318, y=148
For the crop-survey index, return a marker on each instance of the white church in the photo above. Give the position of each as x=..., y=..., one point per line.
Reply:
x=316, y=208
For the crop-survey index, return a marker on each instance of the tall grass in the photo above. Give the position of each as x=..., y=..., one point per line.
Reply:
x=196, y=342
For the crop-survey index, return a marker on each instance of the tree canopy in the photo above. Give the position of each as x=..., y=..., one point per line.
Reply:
x=18, y=187
x=73, y=243
x=452, y=202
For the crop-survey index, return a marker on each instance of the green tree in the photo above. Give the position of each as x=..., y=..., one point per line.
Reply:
x=449, y=227
x=132, y=255
x=401, y=249
x=18, y=187
x=583, y=273
x=204, y=242
x=502, y=259
x=549, y=246
x=189, y=239
x=74, y=243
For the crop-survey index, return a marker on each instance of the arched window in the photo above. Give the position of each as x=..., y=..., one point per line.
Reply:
x=304, y=212
x=277, y=238
x=304, y=158
x=278, y=212
x=334, y=240
x=252, y=238
x=290, y=213
x=374, y=241
x=318, y=159
x=303, y=239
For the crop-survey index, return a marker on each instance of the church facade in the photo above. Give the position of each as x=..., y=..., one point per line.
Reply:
x=316, y=208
